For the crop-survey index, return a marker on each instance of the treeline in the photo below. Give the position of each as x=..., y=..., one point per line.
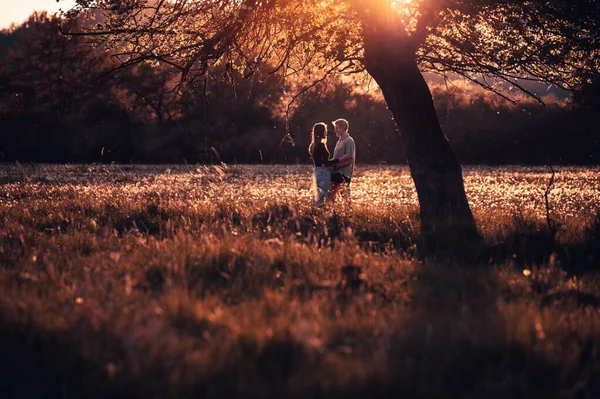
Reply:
x=62, y=101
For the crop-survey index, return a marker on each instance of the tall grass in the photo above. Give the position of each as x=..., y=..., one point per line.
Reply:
x=224, y=282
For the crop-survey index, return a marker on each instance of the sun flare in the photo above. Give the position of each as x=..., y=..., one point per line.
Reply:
x=399, y=4
x=402, y=6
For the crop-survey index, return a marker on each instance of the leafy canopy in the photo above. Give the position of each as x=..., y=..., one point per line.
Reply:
x=549, y=41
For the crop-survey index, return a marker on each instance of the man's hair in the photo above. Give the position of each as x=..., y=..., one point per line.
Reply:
x=341, y=122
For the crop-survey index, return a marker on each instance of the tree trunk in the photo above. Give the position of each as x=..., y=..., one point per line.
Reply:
x=447, y=223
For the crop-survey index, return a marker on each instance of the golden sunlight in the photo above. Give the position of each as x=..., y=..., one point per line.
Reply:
x=400, y=4
x=403, y=8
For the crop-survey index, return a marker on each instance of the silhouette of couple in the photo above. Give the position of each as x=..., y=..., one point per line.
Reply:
x=332, y=175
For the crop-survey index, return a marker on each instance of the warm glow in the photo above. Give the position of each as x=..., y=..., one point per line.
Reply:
x=401, y=5
x=18, y=11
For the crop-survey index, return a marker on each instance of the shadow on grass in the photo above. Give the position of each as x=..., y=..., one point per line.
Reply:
x=458, y=343
x=532, y=244
x=50, y=365
x=325, y=227
x=41, y=364
x=453, y=345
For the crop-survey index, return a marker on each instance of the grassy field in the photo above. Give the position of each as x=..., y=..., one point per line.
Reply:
x=187, y=281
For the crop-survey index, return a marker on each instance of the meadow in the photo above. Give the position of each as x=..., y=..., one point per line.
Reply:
x=222, y=281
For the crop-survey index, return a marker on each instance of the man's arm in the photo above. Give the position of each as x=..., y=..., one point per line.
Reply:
x=345, y=160
x=348, y=157
x=335, y=163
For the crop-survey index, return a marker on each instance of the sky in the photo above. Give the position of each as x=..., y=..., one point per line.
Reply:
x=18, y=11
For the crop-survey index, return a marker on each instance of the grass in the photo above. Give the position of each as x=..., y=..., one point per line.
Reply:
x=176, y=282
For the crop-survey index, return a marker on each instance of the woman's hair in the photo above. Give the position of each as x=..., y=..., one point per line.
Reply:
x=319, y=131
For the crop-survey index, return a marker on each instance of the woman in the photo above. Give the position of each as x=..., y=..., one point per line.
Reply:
x=320, y=155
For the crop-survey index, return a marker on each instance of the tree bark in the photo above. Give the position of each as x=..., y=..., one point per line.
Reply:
x=447, y=223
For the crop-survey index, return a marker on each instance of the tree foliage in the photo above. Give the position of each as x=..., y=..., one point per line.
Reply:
x=550, y=41
x=53, y=107
x=47, y=72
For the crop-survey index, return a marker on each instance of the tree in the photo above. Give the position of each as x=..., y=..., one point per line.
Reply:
x=589, y=93
x=44, y=71
x=146, y=90
x=393, y=40
x=52, y=106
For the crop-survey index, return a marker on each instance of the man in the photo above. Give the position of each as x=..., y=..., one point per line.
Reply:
x=345, y=151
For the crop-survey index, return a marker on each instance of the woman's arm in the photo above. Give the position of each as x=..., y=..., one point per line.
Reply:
x=320, y=155
x=336, y=161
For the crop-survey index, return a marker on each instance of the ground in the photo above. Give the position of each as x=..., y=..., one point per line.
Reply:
x=223, y=281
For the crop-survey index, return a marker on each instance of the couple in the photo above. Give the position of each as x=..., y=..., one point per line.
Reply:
x=331, y=175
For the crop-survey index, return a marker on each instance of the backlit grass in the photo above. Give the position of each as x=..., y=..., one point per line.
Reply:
x=188, y=281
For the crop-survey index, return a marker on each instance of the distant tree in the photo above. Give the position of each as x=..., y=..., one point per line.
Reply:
x=148, y=92
x=393, y=40
x=589, y=93
x=44, y=71
x=50, y=97
x=372, y=126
